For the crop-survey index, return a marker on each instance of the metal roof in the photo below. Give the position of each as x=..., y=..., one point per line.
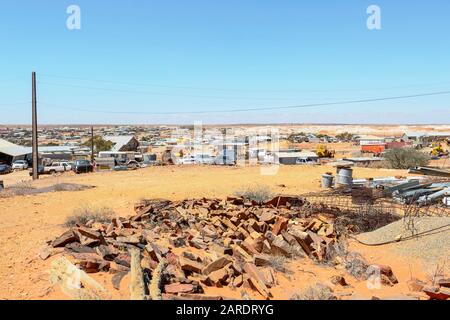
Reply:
x=12, y=149
x=119, y=141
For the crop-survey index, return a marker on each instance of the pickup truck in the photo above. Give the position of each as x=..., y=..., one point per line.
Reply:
x=55, y=167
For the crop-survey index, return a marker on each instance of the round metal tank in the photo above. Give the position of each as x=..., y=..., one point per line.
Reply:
x=327, y=181
x=344, y=176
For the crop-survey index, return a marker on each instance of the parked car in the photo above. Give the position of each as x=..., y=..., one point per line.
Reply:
x=203, y=159
x=187, y=160
x=20, y=165
x=5, y=169
x=82, y=166
x=305, y=160
x=227, y=159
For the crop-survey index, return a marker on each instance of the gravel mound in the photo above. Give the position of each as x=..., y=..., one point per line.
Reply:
x=431, y=247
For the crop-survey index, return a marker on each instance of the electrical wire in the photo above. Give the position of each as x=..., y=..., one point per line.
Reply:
x=184, y=87
x=158, y=93
x=421, y=234
x=311, y=105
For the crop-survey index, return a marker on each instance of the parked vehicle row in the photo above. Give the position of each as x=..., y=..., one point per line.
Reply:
x=79, y=166
x=5, y=169
x=207, y=159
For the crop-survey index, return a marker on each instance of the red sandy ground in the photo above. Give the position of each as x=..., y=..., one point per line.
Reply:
x=27, y=222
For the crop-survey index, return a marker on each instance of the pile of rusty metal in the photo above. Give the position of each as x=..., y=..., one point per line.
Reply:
x=178, y=248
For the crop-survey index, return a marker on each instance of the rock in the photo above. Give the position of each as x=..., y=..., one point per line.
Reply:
x=390, y=278
x=176, y=288
x=262, y=260
x=338, y=280
x=45, y=253
x=241, y=254
x=280, y=225
x=216, y=278
x=108, y=253
x=129, y=239
x=87, y=232
x=221, y=250
x=65, y=238
x=280, y=246
x=267, y=217
x=191, y=266
x=123, y=259
x=94, y=266
x=257, y=280
x=201, y=297
x=269, y=277
x=216, y=265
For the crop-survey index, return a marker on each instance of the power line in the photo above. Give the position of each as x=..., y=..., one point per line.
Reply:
x=312, y=105
x=15, y=103
x=158, y=93
x=239, y=90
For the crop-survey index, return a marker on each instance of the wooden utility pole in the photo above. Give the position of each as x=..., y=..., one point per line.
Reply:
x=92, y=144
x=34, y=129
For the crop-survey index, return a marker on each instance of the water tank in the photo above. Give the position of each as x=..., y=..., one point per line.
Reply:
x=344, y=176
x=327, y=181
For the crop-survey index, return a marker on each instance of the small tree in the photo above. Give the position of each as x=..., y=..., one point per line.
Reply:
x=100, y=144
x=346, y=136
x=405, y=158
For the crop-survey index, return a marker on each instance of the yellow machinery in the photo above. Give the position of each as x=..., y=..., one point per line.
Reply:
x=323, y=152
x=438, y=151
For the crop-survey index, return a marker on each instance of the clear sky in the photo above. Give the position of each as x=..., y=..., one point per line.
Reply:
x=134, y=58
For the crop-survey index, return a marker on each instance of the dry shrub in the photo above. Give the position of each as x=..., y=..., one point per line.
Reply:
x=353, y=262
x=436, y=271
x=259, y=194
x=405, y=158
x=278, y=263
x=356, y=266
x=315, y=292
x=85, y=214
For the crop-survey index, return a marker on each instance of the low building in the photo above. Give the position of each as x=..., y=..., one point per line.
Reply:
x=291, y=158
x=10, y=152
x=123, y=143
x=369, y=140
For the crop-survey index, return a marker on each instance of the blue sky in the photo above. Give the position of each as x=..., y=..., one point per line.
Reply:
x=143, y=57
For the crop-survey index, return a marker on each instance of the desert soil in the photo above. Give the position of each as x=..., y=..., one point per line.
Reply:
x=27, y=222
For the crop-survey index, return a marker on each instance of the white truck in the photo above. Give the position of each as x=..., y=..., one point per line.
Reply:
x=55, y=167
x=58, y=167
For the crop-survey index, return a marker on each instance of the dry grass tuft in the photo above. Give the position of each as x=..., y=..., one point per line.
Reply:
x=258, y=194
x=85, y=214
x=315, y=292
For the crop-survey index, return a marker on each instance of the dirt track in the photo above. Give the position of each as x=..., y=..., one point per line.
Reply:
x=27, y=222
